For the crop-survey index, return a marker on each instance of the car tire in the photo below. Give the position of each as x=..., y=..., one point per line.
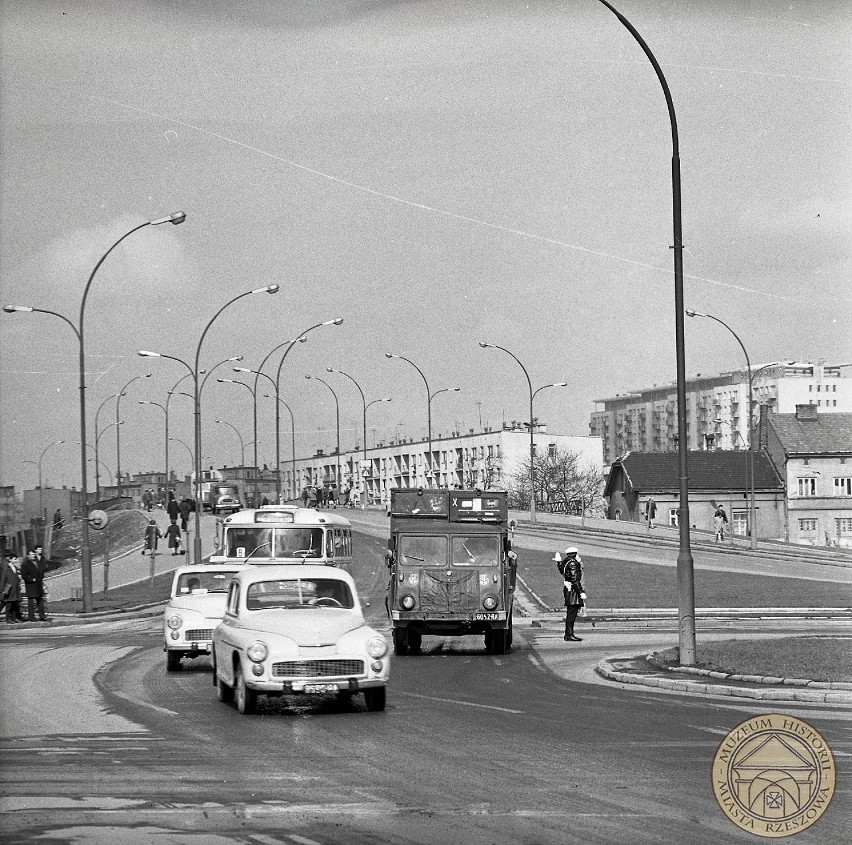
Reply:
x=173, y=661
x=224, y=693
x=375, y=698
x=400, y=641
x=246, y=698
x=499, y=641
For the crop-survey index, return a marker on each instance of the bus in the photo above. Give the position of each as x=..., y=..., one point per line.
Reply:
x=275, y=534
x=452, y=568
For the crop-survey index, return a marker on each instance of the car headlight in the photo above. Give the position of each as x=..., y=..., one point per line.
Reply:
x=407, y=602
x=257, y=652
x=174, y=622
x=377, y=647
x=489, y=602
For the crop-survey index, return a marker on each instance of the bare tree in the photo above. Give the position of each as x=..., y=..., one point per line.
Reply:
x=562, y=484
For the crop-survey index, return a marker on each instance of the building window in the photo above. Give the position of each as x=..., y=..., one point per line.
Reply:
x=673, y=517
x=843, y=526
x=843, y=486
x=807, y=486
x=739, y=523
x=808, y=526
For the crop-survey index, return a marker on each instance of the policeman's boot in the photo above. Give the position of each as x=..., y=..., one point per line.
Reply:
x=572, y=637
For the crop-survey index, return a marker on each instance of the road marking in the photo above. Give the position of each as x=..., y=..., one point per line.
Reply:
x=464, y=703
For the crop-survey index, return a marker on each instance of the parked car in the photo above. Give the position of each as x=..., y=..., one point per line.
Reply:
x=297, y=630
x=195, y=608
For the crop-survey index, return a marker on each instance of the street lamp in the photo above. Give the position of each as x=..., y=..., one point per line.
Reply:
x=165, y=410
x=239, y=436
x=751, y=510
x=118, y=432
x=292, y=433
x=533, y=394
x=97, y=439
x=685, y=570
x=337, y=417
x=38, y=464
x=185, y=446
x=429, y=471
x=175, y=218
x=254, y=405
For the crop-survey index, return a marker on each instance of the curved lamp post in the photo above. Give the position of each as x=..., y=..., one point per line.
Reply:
x=337, y=418
x=254, y=405
x=175, y=218
x=118, y=431
x=185, y=446
x=431, y=397
x=239, y=437
x=38, y=464
x=292, y=430
x=429, y=472
x=97, y=439
x=300, y=338
x=685, y=571
x=195, y=372
x=165, y=410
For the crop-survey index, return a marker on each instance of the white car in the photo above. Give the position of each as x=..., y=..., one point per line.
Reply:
x=195, y=608
x=297, y=630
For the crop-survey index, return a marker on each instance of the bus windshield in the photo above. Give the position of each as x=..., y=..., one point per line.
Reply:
x=476, y=551
x=423, y=551
x=257, y=542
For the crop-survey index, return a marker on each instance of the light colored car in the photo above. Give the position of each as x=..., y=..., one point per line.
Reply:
x=297, y=630
x=195, y=608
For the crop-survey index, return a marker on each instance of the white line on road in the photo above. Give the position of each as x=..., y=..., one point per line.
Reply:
x=464, y=703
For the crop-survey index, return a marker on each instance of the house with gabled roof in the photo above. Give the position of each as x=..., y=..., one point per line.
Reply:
x=813, y=453
x=720, y=477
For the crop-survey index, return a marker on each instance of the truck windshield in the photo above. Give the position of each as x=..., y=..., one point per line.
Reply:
x=475, y=551
x=423, y=550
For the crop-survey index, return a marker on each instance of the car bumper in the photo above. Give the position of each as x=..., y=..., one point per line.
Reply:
x=200, y=647
x=303, y=686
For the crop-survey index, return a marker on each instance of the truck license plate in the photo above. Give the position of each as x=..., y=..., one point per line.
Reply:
x=318, y=689
x=488, y=617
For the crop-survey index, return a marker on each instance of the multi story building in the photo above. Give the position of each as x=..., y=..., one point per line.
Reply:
x=717, y=407
x=487, y=459
x=813, y=452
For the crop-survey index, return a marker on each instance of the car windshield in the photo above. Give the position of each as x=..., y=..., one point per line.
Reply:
x=203, y=581
x=299, y=593
x=423, y=550
x=475, y=551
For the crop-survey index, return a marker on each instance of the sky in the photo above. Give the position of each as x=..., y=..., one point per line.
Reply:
x=436, y=173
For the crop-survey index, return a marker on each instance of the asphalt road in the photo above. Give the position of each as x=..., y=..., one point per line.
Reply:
x=100, y=744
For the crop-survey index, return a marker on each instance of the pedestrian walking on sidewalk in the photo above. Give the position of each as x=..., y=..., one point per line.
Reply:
x=152, y=534
x=720, y=523
x=173, y=536
x=571, y=569
x=185, y=508
x=172, y=508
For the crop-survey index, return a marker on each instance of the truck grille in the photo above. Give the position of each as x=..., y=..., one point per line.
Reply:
x=196, y=634
x=317, y=668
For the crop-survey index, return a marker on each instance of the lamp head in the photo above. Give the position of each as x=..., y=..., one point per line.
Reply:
x=335, y=322
x=690, y=312
x=272, y=289
x=10, y=309
x=307, y=376
x=455, y=389
x=390, y=355
x=483, y=344
x=236, y=358
x=330, y=370
x=242, y=370
x=144, y=353
x=175, y=218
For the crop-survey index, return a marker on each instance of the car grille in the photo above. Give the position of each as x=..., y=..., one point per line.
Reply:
x=317, y=668
x=196, y=634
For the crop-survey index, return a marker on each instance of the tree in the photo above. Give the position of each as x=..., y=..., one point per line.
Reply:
x=562, y=484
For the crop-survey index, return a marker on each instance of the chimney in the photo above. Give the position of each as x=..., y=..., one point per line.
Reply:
x=806, y=413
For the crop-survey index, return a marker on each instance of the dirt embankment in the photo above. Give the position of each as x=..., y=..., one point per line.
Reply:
x=124, y=531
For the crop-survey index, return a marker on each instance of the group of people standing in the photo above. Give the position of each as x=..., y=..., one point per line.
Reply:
x=20, y=578
x=314, y=496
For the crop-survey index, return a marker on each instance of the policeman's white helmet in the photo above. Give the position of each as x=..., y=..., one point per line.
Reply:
x=572, y=550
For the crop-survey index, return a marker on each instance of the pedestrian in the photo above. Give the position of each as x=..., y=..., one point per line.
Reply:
x=324, y=496
x=306, y=492
x=173, y=536
x=10, y=589
x=344, y=497
x=173, y=509
x=264, y=502
x=313, y=496
x=57, y=520
x=720, y=523
x=571, y=569
x=185, y=509
x=332, y=496
x=651, y=512
x=354, y=497
x=146, y=501
x=152, y=534
x=34, y=586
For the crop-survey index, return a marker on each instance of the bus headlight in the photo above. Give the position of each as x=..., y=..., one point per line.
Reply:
x=489, y=602
x=257, y=652
x=407, y=602
x=174, y=622
x=377, y=647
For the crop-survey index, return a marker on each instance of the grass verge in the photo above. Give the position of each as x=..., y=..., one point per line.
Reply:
x=815, y=658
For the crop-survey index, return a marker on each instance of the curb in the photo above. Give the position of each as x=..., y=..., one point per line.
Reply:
x=783, y=689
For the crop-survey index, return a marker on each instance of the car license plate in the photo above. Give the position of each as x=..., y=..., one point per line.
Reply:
x=318, y=689
x=488, y=617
